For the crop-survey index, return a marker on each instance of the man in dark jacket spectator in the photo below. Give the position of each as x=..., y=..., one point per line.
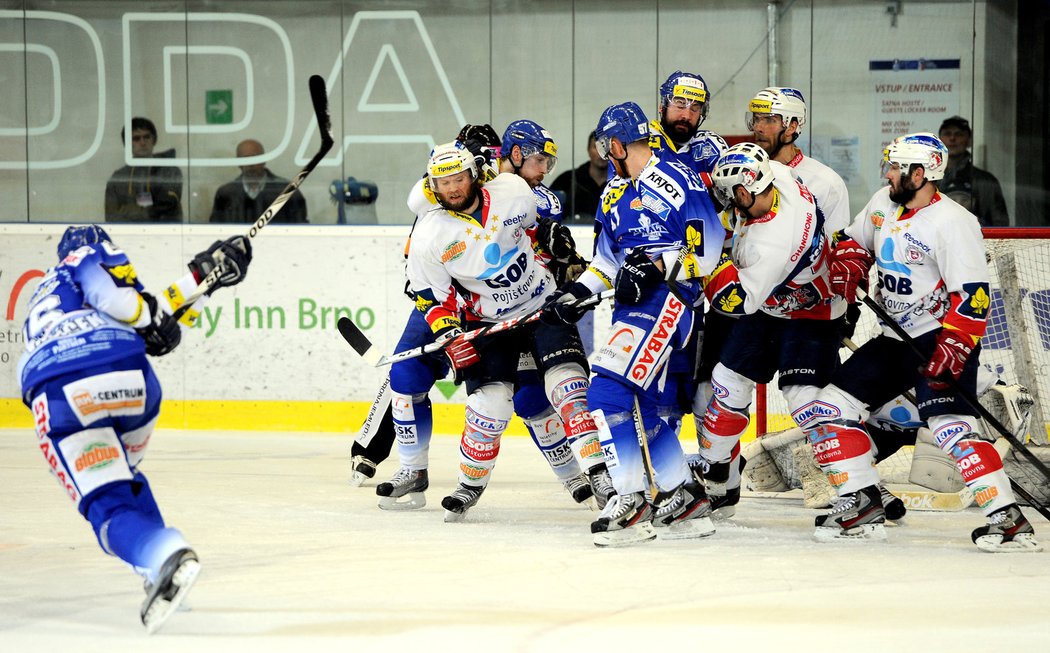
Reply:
x=245, y=198
x=977, y=190
x=141, y=192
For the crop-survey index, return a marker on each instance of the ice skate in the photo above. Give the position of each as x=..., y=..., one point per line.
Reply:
x=855, y=516
x=361, y=469
x=601, y=485
x=580, y=489
x=1007, y=531
x=893, y=506
x=715, y=477
x=684, y=514
x=404, y=491
x=463, y=498
x=625, y=520
x=163, y=598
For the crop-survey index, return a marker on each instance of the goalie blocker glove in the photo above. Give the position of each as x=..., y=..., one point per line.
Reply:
x=949, y=357
x=162, y=334
x=636, y=276
x=233, y=254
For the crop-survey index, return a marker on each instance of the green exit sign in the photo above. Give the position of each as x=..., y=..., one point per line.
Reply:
x=218, y=107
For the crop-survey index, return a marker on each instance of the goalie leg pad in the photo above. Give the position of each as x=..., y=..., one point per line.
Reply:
x=489, y=409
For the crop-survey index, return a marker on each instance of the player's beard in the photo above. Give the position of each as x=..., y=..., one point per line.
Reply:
x=462, y=204
x=680, y=131
x=903, y=194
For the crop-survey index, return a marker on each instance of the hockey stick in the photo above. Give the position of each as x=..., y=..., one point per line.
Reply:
x=363, y=346
x=319, y=98
x=972, y=401
x=643, y=441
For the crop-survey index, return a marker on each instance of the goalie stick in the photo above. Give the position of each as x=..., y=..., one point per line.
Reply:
x=974, y=404
x=363, y=346
x=319, y=98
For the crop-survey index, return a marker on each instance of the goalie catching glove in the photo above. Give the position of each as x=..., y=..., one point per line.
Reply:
x=461, y=353
x=949, y=357
x=637, y=275
x=849, y=267
x=233, y=255
x=162, y=334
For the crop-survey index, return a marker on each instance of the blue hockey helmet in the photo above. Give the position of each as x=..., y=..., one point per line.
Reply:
x=532, y=139
x=683, y=89
x=76, y=237
x=625, y=122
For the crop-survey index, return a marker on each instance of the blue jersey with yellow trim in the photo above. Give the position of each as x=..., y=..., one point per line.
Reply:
x=700, y=154
x=83, y=313
x=547, y=203
x=667, y=212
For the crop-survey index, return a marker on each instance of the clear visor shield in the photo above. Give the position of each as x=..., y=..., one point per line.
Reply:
x=888, y=165
x=603, y=144
x=751, y=119
x=549, y=160
x=685, y=103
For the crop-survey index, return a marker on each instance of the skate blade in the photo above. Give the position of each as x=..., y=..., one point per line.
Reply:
x=590, y=503
x=1023, y=543
x=412, y=501
x=357, y=479
x=160, y=610
x=864, y=532
x=723, y=513
x=643, y=532
x=688, y=530
x=452, y=517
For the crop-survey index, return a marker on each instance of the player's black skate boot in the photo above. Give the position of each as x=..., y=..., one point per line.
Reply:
x=462, y=499
x=601, y=485
x=580, y=489
x=715, y=477
x=361, y=469
x=404, y=491
x=626, y=519
x=893, y=506
x=163, y=598
x=684, y=513
x=1007, y=531
x=855, y=516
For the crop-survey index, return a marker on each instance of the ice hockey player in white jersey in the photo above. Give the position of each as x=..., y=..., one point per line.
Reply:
x=933, y=282
x=657, y=232
x=778, y=275
x=94, y=397
x=405, y=398
x=473, y=253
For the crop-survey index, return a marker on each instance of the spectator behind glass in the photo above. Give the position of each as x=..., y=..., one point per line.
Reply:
x=583, y=186
x=245, y=198
x=977, y=190
x=144, y=193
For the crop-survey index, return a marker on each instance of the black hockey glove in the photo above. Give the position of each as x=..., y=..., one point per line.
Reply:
x=558, y=313
x=233, y=254
x=555, y=239
x=483, y=134
x=637, y=275
x=162, y=334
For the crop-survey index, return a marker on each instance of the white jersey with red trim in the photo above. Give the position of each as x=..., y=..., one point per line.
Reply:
x=782, y=257
x=487, y=258
x=829, y=191
x=930, y=261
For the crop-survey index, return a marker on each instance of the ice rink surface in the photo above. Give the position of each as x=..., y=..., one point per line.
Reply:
x=294, y=559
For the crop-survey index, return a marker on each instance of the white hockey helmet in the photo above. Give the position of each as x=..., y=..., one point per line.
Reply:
x=744, y=164
x=922, y=148
x=447, y=160
x=788, y=103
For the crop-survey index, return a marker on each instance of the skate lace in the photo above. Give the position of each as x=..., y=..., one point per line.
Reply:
x=676, y=501
x=602, y=484
x=843, y=504
x=403, y=477
x=466, y=494
x=575, y=483
x=619, y=507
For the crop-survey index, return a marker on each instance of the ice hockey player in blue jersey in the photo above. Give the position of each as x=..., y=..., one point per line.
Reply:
x=676, y=134
x=94, y=397
x=656, y=233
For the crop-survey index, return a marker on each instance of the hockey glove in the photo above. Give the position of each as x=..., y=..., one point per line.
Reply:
x=555, y=239
x=162, y=334
x=233, y=254
x=461, y=353
x=483, y=134
x=558, y=312
x=637, y=275
x=949, y=357
x=849, y=267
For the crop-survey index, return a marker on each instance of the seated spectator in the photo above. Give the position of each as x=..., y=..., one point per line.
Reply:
x=141, y=192
x=977, y=190
x=583, y=186
x=245, y=198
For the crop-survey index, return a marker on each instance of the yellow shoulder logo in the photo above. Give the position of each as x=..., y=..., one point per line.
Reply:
x=979, y=302
x=124, y=274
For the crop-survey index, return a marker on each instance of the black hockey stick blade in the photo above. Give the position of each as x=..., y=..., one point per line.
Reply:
x=358, y=340
x=319, y=97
